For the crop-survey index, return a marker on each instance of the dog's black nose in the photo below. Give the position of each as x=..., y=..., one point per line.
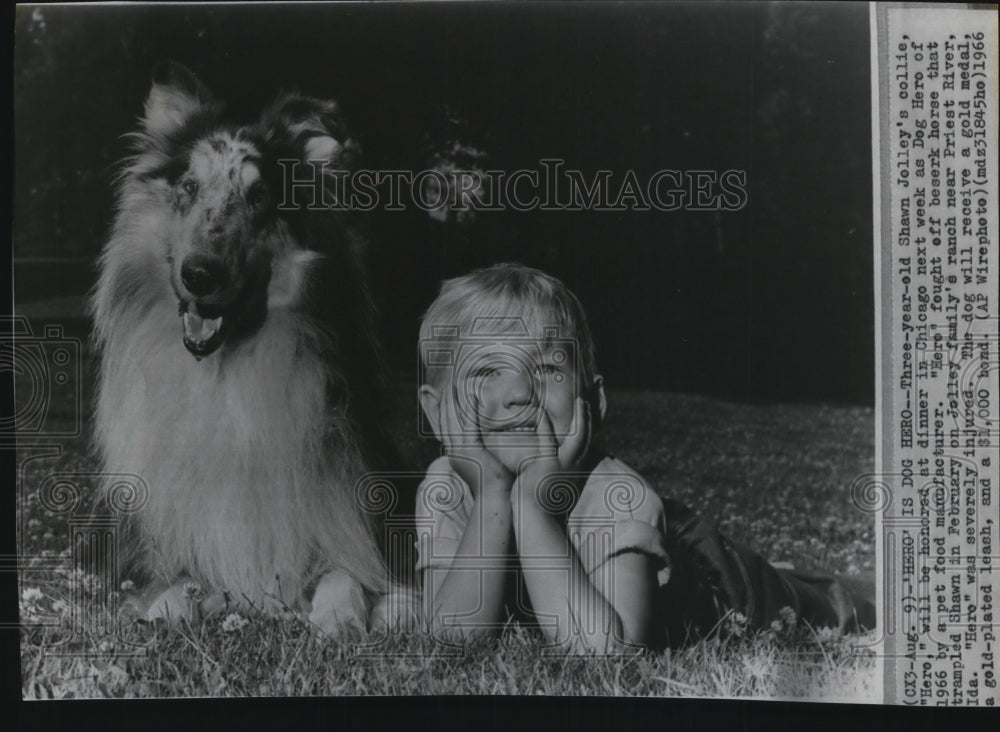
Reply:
x=203, y=275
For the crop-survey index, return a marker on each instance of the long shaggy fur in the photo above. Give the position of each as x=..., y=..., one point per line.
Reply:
x=251, y=452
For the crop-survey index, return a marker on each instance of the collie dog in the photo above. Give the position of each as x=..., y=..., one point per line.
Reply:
x=238, y=367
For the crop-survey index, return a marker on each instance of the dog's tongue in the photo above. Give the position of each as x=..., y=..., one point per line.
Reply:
x=198, y=329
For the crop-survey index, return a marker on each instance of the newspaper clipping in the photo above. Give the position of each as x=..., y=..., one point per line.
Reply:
x=937, y=256
x=417, y=349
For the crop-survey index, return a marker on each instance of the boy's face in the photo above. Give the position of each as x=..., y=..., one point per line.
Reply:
x=508, y=385
x=499, y=387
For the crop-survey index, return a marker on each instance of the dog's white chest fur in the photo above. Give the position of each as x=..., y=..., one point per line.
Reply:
x=231, y=450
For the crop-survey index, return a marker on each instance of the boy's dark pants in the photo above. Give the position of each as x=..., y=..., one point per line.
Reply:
x=712, y=575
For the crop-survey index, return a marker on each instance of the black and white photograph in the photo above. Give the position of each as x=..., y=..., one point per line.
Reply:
x=445, y=349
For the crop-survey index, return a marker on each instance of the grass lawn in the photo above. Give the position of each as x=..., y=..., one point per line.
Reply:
x=775, y=476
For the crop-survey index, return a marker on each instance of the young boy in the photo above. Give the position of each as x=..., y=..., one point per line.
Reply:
x=523, y=516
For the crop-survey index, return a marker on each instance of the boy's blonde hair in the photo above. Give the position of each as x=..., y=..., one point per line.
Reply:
x=506, y=300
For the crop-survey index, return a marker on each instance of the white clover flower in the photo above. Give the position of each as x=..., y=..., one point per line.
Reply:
x=128, y=585
x=31, y=595
x=787, y=615
x=233, y=623
x=84, y=582
x=191, y=590
x=736, y=624
x=825, y=635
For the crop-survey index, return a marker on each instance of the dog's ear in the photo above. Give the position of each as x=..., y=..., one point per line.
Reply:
x=176, y=97
x=312, y=130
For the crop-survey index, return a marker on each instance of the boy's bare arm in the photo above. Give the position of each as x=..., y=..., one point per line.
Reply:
x=467, y=598
x=559, y=586
x=557, y=582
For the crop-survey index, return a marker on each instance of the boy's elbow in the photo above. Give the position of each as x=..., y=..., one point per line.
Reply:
x=613, y=639
x=454, y=625
x=637, y=636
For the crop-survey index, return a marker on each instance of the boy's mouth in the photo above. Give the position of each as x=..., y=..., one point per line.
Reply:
x=515, y=427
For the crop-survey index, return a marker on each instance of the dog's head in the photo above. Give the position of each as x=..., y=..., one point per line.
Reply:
x=231, y=200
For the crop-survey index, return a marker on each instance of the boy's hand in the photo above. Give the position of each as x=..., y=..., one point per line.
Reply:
x=576, y=443
x=546, y=447
x=547, y=456
x=469, y=458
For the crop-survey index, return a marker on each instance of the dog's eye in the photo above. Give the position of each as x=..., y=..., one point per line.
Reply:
x=190, y=187
x=256, y=196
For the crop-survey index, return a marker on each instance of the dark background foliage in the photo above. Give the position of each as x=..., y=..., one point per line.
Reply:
x=771, y=302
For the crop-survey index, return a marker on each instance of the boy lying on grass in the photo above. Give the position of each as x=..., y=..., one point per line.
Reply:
x=526, y=518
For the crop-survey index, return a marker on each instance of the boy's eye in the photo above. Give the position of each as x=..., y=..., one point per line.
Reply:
x=190, y=187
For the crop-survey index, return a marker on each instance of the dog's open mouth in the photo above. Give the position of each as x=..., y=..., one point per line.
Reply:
x=204, y=327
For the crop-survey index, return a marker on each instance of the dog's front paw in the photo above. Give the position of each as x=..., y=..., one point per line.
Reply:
x=183, y=600
x=339, y=604
x=177, y=602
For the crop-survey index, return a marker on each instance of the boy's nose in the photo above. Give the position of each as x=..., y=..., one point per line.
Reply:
x=520, y=388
